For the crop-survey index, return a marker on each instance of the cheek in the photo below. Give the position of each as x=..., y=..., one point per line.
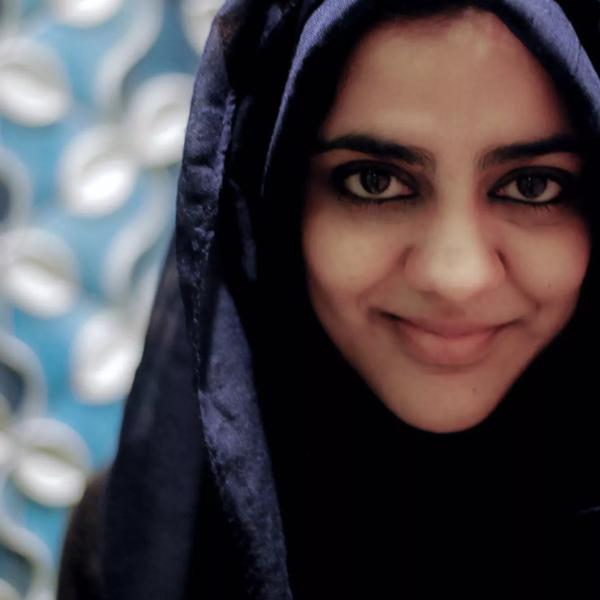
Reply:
x=550, y=266
x=344, y=258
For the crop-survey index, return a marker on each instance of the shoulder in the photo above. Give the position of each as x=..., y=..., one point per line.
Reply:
x=80, y=573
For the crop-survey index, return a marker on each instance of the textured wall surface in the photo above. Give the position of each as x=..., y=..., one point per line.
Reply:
x=94, y=97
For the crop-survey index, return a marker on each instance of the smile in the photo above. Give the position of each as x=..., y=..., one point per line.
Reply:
x=435, y=349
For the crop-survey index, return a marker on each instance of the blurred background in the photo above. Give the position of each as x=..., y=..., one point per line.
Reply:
x=94, y=96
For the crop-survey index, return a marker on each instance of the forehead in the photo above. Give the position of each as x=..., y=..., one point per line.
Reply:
x=460, y=71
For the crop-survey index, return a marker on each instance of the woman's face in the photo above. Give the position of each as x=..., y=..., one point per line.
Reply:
x=442, y=248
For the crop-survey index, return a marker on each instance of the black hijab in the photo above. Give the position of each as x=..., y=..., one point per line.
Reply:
x=254, y=462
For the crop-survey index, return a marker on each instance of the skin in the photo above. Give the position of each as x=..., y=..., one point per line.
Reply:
x=461, y=249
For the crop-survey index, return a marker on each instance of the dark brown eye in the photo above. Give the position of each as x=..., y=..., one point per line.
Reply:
x=532, y=186
x=536, y=186
x=374, y=181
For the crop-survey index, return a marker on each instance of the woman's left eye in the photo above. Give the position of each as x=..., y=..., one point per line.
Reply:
x=371, y=182
x=534, y=187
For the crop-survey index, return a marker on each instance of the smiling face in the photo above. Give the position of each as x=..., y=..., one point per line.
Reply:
x=442, y=245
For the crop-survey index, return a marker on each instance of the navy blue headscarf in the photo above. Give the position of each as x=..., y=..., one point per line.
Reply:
x=253, y=460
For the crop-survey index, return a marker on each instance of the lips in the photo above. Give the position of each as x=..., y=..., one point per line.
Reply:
x=445, y=344
x=450, y=329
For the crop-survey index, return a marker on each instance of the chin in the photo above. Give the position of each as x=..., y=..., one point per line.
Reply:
x=446, y=418
x=450, y=425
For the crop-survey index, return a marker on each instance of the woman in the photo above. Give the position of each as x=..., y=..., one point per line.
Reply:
x=385, y=245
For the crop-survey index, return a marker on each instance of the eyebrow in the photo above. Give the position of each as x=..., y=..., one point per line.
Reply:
x=553, y=145
x=383, y=148
x=375, y=146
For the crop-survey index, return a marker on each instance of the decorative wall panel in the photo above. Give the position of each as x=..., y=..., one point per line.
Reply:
x=94, y=96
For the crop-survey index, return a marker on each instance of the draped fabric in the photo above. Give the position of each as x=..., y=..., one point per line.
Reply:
x=251, y=453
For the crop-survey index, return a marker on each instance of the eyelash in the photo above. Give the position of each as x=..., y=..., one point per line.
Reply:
x=342, y=173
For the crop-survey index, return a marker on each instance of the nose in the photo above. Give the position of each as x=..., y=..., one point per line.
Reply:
x=456, y=258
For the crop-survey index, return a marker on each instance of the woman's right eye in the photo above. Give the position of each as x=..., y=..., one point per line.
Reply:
x=371, y=182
